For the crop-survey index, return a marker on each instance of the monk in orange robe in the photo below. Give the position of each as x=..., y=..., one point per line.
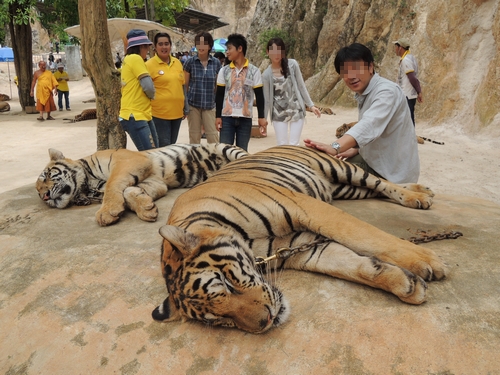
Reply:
x=46, y=87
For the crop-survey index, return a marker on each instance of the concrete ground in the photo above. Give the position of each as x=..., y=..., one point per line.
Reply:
x=76, y=298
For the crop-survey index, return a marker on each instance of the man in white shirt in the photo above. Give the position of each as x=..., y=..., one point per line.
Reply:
x=383, y=142
x=408, y=75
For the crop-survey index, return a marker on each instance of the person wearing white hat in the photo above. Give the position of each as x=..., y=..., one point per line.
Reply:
x=62, y=78
x=137, y=91
x=408, y=75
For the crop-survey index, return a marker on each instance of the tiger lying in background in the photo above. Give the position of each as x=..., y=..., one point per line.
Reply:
x=129, y=179
x=281, y=198
x=323, y=110
x=87, y=114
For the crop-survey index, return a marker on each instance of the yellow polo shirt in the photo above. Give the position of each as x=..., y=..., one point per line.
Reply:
x=63, y=84
x=134, y=100
x=168, y=79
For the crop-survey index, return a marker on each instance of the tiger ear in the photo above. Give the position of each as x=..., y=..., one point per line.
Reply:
x=166, y=312
x=180, y=239
x=55, y=155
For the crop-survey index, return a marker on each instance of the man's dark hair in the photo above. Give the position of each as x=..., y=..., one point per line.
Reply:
x=162, y=35
x=354, y=52
x=207, y=37
x=219, y=55
x=237, y=41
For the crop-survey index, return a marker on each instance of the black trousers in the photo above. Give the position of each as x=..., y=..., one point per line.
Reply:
x=411, y=104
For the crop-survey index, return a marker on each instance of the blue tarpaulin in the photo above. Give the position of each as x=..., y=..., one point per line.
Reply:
x=6, y=54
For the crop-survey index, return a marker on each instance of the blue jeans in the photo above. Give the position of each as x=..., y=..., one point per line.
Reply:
x=239, y=127
x=142, y=132
x=60, y=98
x=167, y=130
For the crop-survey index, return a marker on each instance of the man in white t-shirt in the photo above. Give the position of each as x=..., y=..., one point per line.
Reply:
x=408, y=75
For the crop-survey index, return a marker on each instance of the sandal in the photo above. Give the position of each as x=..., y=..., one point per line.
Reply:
x=50, y=118
x=40, y=118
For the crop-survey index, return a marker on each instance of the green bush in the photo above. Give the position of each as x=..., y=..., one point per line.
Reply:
x=273, y=33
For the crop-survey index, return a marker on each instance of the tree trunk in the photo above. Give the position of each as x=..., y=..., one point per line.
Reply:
x=23, y=57
x=98, y=63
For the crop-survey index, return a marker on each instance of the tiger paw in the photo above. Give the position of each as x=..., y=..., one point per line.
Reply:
x=407, y=286
x=105, y=217
x=428, y=266
x=141, y=203
x=419, y=189
x=416, y=291
x=418, y=200
x=148, y=214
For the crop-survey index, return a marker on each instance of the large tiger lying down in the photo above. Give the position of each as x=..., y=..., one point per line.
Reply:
x=281, y=198
x=129, y=179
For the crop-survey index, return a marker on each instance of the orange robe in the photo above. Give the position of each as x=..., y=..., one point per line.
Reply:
x=45, y=84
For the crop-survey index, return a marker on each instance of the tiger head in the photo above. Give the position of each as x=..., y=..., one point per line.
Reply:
x=60, y=184
x=212, y=277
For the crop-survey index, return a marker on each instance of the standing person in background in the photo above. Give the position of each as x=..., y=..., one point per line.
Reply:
x=62, y=78
x=408, y=75
x=184, y=57
x=169, y=106
x=221, y=57
x=285, y=95
x=237, y=85
x=137, y=92
x=46, y=86
x=52, y=64
x=200, y=74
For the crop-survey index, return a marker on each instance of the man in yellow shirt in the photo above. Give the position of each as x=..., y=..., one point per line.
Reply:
x=63, y=89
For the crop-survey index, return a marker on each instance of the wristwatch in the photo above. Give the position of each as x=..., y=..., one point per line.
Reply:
x=336, y=146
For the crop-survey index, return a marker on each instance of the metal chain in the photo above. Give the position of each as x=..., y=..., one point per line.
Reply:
x=423, y=237
x=286, y=252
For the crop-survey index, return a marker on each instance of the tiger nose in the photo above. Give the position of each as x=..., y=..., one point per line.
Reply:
x=264, y=323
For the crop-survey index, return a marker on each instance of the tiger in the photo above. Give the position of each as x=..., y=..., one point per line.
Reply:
x=323, y=110
x=129, y=179
x=341, y=130
x=87, y=114
x=4, y=106
x=281, y=198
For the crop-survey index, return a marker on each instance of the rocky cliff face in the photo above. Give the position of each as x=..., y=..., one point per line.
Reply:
x=457, y=44
x=237, y=13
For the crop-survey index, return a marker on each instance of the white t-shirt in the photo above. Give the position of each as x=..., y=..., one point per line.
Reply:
x=407, y=64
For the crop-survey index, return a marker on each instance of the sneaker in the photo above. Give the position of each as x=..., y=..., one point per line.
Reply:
x=60, y=109
x=67, y=109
